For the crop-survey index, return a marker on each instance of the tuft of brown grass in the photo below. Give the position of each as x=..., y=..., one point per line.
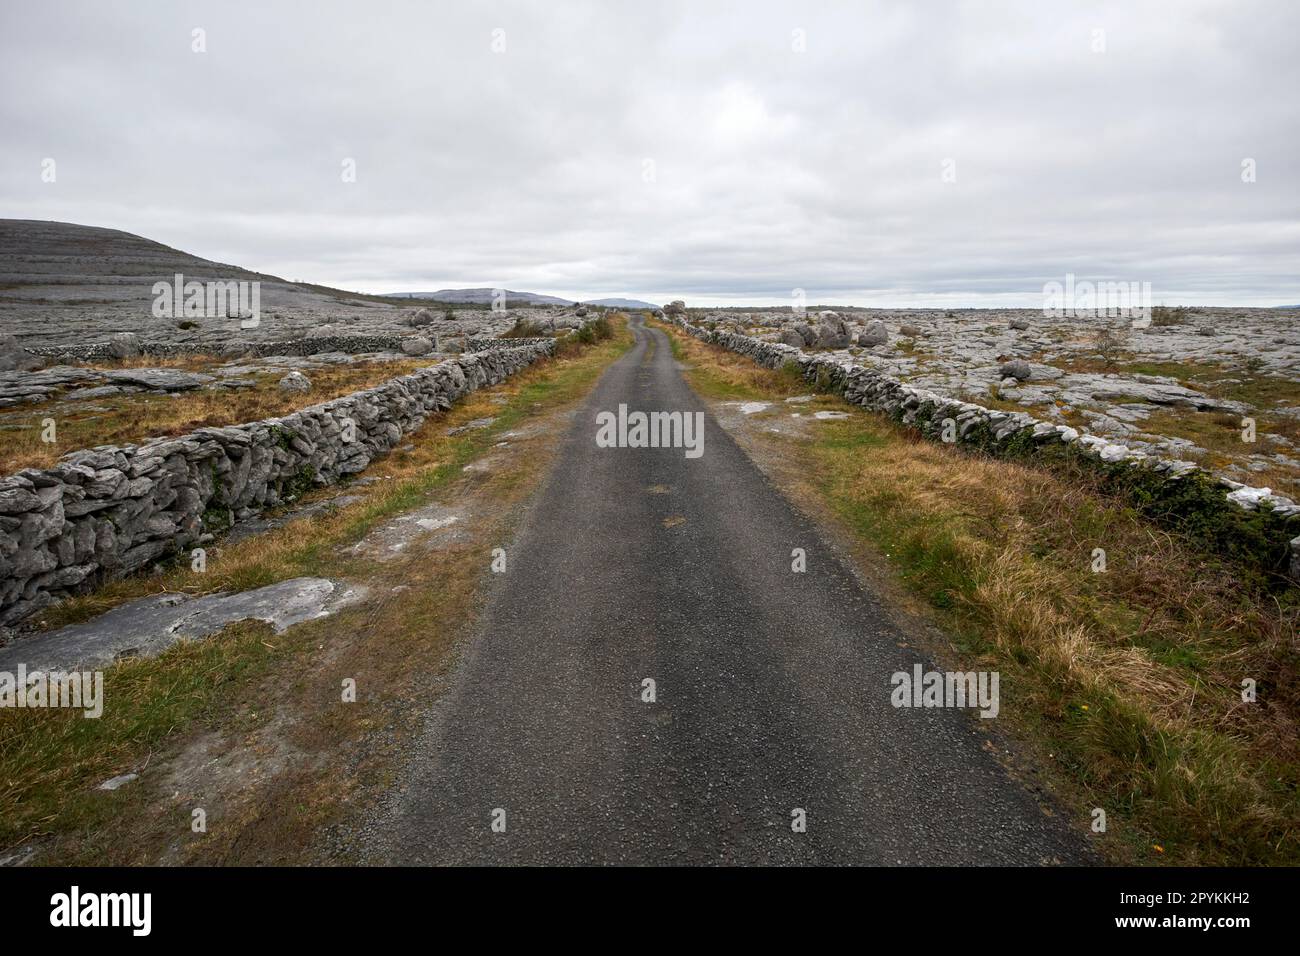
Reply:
x=190, y=363
x=719, y=377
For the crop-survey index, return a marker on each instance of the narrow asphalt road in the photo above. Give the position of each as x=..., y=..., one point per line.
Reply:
x=773, y=688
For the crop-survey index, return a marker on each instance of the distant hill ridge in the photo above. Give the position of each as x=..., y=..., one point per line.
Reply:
x=54, y=260
x=484, y=297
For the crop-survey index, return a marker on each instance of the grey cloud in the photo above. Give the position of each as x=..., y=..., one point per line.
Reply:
x=773, y=169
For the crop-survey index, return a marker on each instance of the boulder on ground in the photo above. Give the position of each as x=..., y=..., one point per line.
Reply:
x=792, y=337
x=874, y=334
x=295, y=382
x=124, y=345
x=14, y=358
x=832, y=331
x=1018, y=369
x=419, y=345
x=911, y=331
x=1020, y=324
x=675, y=307
x=420, y=317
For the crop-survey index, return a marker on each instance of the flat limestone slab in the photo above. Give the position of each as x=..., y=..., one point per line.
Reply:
x=147, y=627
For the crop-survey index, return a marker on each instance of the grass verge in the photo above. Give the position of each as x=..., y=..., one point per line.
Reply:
x=249, y=725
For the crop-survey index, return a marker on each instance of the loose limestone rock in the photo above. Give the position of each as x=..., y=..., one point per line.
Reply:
x=124, y=345
x=295, y=382
x=1018, y=369
x=14, y=358
x=874, y=334
x=121, y=780
x=832, y=331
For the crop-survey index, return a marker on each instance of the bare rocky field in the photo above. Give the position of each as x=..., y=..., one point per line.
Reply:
x=1179, y=387
x=1188, y=384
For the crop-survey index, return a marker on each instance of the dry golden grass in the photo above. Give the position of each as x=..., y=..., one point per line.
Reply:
x=1220, y=434
x=132, y=418
x=1131, y=677
x=188, y=363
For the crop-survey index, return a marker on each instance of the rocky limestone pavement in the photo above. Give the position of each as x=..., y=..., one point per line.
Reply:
x=157, y=379
x=148, y=626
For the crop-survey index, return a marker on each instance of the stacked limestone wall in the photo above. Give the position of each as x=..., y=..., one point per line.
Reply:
x=352, y=344
x=105, y=512
x=1248, y=522
x=483, y=344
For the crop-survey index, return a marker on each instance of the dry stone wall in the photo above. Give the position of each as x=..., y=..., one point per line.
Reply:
x=1248, y=522
x=105, y=512
x=311, y=345
x=483, y=344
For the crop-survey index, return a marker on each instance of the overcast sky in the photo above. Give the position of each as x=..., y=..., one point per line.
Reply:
x=717, y=152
